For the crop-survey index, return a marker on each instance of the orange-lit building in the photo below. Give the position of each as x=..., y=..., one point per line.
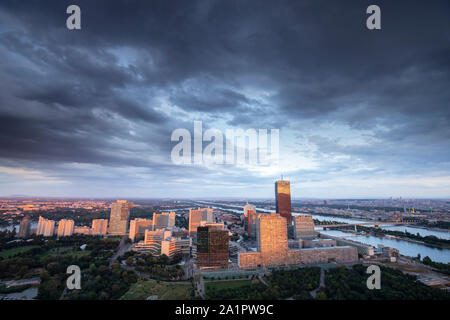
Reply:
x=196, y=216
x=283, y=200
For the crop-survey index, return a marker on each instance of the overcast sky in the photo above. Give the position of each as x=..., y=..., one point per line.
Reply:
x=90, y=113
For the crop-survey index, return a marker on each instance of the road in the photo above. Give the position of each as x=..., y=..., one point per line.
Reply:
x=321, y=283
x=123, y=247
x=13, y=283
x=202, y=287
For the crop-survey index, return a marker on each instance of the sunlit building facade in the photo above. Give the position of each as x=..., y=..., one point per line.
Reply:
x=99, y=227
x=283, y=200
x=138, y=227
x=120, y=211
x=65, y=228
x=45, y=227
x=303, y=227
x=196, y=216
x=164, y=241
x=273, y=248
x=163, y=220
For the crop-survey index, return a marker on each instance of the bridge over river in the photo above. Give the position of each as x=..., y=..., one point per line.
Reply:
x=375, y=224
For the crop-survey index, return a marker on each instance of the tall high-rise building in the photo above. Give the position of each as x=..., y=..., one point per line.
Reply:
x=118, y=220
x=283, y=199
x=273, y=249
x=163, y=220
x=41, y=226
x=49, y=230
x=271, y=236
x=99, y=227
x=24, y=229
x=65, y=228
x=248, y=207
x=304, y=227
x=196, y=216
x=251, y=223
x=138, y=227
x=212, y=248
x=45, y=227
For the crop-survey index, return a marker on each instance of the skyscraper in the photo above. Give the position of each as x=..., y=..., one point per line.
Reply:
x=138, y=227
x=271, y=237
x=304, y=227
x=251, y=223
x=271, y=234
x=248, y=207
x=212, y=248
x=120, y=211
x=24, y=229
x=283, y=200
x=45, y=227
x=196, y=216
x=65, y=228
x=163, y=220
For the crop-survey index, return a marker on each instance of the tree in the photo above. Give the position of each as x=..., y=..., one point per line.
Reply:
x=427, y=260
x=321, y=296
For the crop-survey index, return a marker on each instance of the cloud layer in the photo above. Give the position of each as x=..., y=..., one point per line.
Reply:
x=90, y=113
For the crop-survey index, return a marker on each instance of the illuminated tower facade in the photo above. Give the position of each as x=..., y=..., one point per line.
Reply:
x=118, y=220
x=196, y=216
x=283, y=199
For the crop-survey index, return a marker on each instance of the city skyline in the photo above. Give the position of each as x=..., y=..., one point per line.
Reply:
x=89, y=113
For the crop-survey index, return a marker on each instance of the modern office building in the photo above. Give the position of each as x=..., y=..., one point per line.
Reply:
x=152, y=242
x=196, y=216
x=163, y=220
x=271, y=236
x=25, y=228
x=164, y=241
x=248, y=207
x=212, y=248
x=273, y=248
x=45, y=227
x=303, y=227
x=251, y=223
x=176, y=245
x=283, y=200
x=138, y=227
x=99, y=227
x=120, y=211
x=65, y=228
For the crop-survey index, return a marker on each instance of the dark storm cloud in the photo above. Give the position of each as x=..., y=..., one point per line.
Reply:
x=97, y=95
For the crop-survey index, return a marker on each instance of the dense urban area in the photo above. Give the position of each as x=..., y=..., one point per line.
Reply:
x=224, y=249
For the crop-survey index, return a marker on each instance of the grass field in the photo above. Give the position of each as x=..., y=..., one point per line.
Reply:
x=164, y=290
x=220, y=285
x=11, y=252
